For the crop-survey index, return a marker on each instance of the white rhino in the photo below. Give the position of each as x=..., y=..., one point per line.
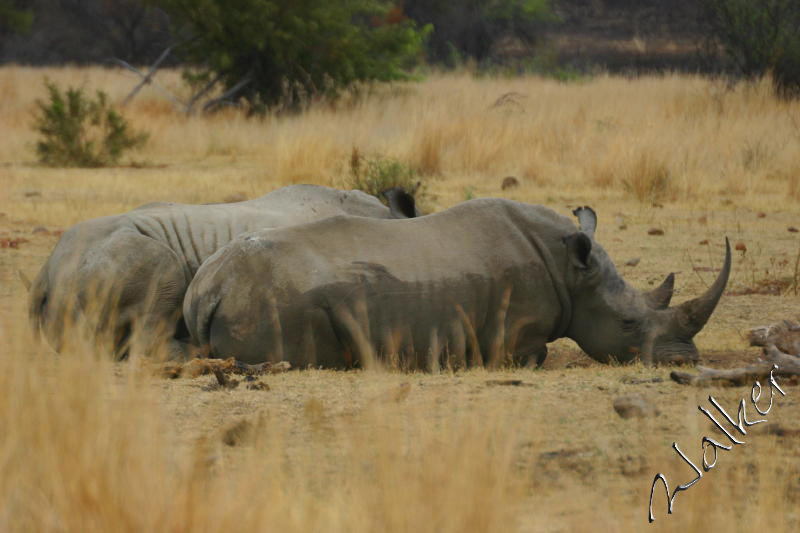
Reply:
x=481, y=283
x=130, y=271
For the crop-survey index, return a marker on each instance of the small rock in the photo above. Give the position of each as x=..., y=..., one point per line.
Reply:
x=740, y=246
x=792, y=229
x=258, y=385
x=40, y=230
x=32, y=194
x=634, y=406
x=704, y=242
x=703, y=220
x=658, y=205
x=655, y=231
x=632, y=262
x=12, y=242
x=509, y=182
x=761, y=214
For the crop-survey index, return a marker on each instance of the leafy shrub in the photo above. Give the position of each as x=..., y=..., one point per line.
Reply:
x=283, y=54
x=375, y=174
x=649, y=178
x=79, y=131
x=759, y=37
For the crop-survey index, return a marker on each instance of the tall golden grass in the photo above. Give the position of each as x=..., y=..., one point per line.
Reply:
x=673, y=136
x=91, y=445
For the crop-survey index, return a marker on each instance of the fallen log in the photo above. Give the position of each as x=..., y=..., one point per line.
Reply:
x=784, y=335
x=788, y=366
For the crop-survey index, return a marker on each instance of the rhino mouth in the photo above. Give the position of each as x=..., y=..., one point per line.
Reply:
x=677, y=354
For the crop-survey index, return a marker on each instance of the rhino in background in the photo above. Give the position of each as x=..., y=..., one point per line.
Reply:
x=476, y=283
x=132, y=270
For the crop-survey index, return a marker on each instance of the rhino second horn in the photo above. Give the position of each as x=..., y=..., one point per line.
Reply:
x=660, y=297
x=691, y=316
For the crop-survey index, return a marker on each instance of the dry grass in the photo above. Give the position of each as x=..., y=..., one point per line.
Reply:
x=682, y=137
x=86, y=445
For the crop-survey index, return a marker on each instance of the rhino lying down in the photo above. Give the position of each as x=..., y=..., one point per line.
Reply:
x=129, y=270
x=471, y=285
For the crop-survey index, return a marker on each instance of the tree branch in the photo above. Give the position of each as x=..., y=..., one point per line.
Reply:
x=135, y=70
x=229, y=93
x=146, y=79
x=788, y=365
x=201, y=93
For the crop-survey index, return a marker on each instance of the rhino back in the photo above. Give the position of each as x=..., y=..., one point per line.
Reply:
x=304, y=198
x=481, y=239
x=416, y=282
x=195, y=232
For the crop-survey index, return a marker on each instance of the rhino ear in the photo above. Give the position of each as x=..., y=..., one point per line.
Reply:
x=401, y=203
x=579, y=246
x=587, y=219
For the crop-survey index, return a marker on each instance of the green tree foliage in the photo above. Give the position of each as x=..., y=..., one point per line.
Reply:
x=470, y=28
x=288, y=51
x=14, y=18
x=760, y=37
x=78, y=131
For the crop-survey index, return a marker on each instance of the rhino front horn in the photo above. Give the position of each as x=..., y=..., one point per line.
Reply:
x=691, y=316
x=660, y=297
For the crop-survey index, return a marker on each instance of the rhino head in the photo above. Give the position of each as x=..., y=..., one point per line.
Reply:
x=612, y=320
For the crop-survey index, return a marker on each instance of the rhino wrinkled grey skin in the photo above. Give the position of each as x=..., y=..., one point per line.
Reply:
x=482, y=283
x=133, y=269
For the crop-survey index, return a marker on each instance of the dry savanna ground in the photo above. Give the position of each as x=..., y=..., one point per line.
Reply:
x=91, y=445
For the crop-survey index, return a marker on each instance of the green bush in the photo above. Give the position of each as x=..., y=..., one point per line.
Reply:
x=759, y=37
x=286, y=53
x=375, y=174
x=78, y=131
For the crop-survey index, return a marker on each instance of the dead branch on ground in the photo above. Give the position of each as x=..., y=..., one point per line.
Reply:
x=781, y=343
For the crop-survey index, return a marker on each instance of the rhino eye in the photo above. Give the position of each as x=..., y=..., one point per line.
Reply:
x=629, y=325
